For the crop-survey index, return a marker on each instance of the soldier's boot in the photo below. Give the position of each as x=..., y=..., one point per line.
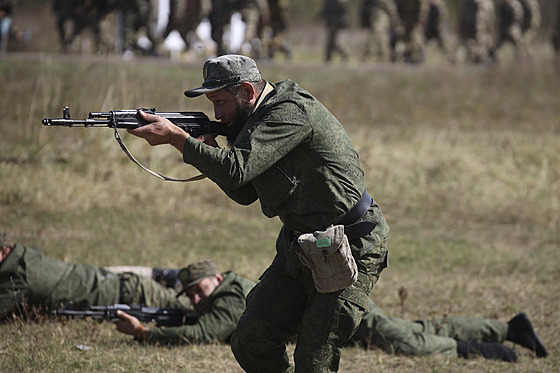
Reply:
x=167, y=277
x=488, y=350
x=520, y=331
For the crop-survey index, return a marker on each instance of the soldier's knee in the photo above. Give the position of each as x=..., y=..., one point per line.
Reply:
x=243, y=338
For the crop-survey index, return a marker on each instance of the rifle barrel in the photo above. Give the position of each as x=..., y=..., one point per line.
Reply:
x=76, y=122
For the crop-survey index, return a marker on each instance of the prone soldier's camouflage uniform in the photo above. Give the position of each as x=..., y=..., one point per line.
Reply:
x=476, y=31
x=29, y=278
x=225, y=306
x=381, y=17
x=413, y=15
x=425, y=337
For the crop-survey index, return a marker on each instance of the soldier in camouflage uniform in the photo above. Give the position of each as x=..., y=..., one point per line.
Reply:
x=253, y=12
x=218, y=299
x=138, y=17
x=510, y=27
x=414, y=16
x=276, y=41
x=476, y=32
x=532, y=19
x=29, y=279
x=437, y=25
x=336, y=18
x=185, y=16
x=449, y=336
x=6, y=9
x=381, y=18
x=287, y=151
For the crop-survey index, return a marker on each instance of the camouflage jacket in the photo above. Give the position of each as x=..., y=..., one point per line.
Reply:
x=293, y=156
x=226, y=304
x=27, y=276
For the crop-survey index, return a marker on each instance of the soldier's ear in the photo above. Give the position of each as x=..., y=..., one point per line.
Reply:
x=249, y=92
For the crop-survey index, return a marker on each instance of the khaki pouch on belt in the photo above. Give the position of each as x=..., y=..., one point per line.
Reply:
x=329, y=257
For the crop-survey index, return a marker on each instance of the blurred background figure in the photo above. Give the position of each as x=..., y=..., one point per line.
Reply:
x=437, y=26
x=273, y=36
x=75, y=16
x=335, y=13
x=477, y=24
x=413, y=15
x=5, y=23
x=255, y=15
x=510, y=27
x=184, y=17
x=7, y=30
x=381, y=19
x=532, y=20
x=138, y=26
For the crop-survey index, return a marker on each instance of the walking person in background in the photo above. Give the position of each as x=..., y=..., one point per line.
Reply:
x=381, y=19
x=336, y=18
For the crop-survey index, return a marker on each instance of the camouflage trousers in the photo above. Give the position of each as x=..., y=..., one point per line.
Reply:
x=136, y=289
x=378, y=41
x=282, y=305
x=425, y=337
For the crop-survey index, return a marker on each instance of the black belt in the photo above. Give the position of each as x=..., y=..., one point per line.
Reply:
x=352, y=229
x=355, y=230
x=357, y=211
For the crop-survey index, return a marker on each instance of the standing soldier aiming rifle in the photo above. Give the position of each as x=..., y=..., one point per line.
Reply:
x=287, y=151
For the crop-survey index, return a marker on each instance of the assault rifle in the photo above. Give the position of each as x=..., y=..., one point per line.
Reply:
x=196, y=123
x=161, y=316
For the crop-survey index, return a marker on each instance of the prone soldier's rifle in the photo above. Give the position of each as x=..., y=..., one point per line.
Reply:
x=195, y=123
x=161, y=316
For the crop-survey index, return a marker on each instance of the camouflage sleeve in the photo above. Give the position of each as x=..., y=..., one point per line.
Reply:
x=217, y=325
x=275, y=134
x=244, y=195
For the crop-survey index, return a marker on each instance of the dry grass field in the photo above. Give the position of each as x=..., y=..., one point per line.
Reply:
x=463, y=160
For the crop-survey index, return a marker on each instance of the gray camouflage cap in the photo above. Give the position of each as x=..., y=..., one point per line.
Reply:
x=195, y=272
x=226, y=70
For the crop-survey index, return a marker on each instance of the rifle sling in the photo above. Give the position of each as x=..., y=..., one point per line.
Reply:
x=160, y=176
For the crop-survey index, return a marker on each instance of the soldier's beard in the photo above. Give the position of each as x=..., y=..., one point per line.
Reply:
x=244, y=110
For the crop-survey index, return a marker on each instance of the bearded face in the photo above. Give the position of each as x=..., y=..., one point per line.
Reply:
x=244, y=110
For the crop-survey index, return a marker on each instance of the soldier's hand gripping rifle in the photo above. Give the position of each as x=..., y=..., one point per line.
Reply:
x=161, y=316
x=196, y=123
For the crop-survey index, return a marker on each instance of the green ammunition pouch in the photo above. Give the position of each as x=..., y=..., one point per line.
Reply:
x=329, y=257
